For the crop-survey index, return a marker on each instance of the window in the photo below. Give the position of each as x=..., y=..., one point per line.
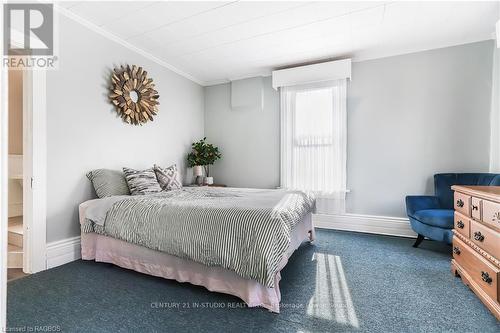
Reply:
x=313, y=137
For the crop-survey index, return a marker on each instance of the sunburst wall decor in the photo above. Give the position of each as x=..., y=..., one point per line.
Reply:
x=133, y=95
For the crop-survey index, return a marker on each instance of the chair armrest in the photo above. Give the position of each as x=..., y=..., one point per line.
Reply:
x=415, y=203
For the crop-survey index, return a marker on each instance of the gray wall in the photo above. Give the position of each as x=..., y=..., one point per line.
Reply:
x=412, y=116
x=85, y=133
x=248, y=139
x=409, y=117
x=495, y=114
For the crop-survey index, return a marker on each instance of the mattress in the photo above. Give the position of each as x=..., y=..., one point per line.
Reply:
x=103, y=248
x=247, y=231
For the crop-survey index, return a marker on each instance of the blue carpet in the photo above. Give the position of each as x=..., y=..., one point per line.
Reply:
x=345, y=282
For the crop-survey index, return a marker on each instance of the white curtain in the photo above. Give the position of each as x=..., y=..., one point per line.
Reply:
x=495, y=115
x=314, y=141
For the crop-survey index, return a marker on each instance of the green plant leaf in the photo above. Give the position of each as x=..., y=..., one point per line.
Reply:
x=203, y=153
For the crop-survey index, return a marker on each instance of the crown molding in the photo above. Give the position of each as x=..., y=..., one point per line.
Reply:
x=216, y=82
x=242, y=77
x=111, y=36
x=251, y=75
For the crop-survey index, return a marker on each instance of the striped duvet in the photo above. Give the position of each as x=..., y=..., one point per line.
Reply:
x=243, y=230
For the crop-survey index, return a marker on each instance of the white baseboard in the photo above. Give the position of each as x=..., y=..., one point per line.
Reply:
x=68, y=250
x=63, y=251
x=382, y=225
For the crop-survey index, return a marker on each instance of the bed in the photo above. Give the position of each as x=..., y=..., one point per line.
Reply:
x=229, y=240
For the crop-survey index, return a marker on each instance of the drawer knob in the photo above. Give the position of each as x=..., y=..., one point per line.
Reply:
x=460, y=224
x=460, y=203
x=475, y=207
x=478, y=236
x=496, y=217
x=486, y=277
x=456, y=250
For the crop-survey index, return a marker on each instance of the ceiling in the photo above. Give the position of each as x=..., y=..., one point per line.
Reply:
x=215, y=42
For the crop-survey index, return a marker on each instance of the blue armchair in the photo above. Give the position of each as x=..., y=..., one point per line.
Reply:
x=432, y=216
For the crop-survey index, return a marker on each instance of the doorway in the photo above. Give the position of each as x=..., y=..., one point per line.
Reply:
x=26, y=190
x=33, y=179
x=15, y=237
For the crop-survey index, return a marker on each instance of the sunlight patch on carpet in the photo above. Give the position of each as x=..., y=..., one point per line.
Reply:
x=332, y=299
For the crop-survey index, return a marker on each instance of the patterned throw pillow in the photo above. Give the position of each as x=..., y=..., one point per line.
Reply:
x=141, y=181
x=168, y=178
x=108, y=183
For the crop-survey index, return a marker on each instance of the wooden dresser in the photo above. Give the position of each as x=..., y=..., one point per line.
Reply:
x=476, y=242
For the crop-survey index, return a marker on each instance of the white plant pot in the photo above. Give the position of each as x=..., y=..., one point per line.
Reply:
x=209, y=180
x=197, y=170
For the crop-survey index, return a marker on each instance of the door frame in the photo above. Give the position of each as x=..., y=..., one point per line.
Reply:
x=4, y=200
x=34, y=175
x=34, y=167
x=34, y=171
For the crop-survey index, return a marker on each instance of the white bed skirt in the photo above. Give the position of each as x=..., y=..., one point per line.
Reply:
x=141, y=259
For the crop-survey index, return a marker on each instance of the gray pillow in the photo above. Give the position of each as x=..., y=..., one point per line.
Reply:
x=108, y=183
x=141, y=181
x=168, y=178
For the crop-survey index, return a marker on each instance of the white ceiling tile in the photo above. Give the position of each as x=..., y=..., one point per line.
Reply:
x=329, y=32
x=367, y=17
x=336, y=30
x=146, y=43
x=297, y=17
x=483, y=19
x=396, y=13
x=221, y=40
x=227, y=16
x=104, y=12
x=365, y=38
x=67, y=4
x=159, y=15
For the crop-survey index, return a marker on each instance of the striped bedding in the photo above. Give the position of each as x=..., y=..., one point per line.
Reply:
x=243, y=230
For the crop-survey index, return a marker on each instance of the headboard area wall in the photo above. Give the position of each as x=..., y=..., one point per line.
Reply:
x=84, y=131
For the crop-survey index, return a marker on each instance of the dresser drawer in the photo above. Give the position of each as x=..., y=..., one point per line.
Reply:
x=486, y=238
x=491, y=213
x=475, y=208
x=462, y=203
x=462, y=224
x=481, y=271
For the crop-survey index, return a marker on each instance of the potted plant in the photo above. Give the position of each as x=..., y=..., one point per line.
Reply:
x=203, y=154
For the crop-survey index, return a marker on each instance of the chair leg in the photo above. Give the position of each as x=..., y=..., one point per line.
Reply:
x=419, y=240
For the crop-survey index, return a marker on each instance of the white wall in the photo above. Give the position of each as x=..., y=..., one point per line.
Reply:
x=409, y=117
x=85, y=133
